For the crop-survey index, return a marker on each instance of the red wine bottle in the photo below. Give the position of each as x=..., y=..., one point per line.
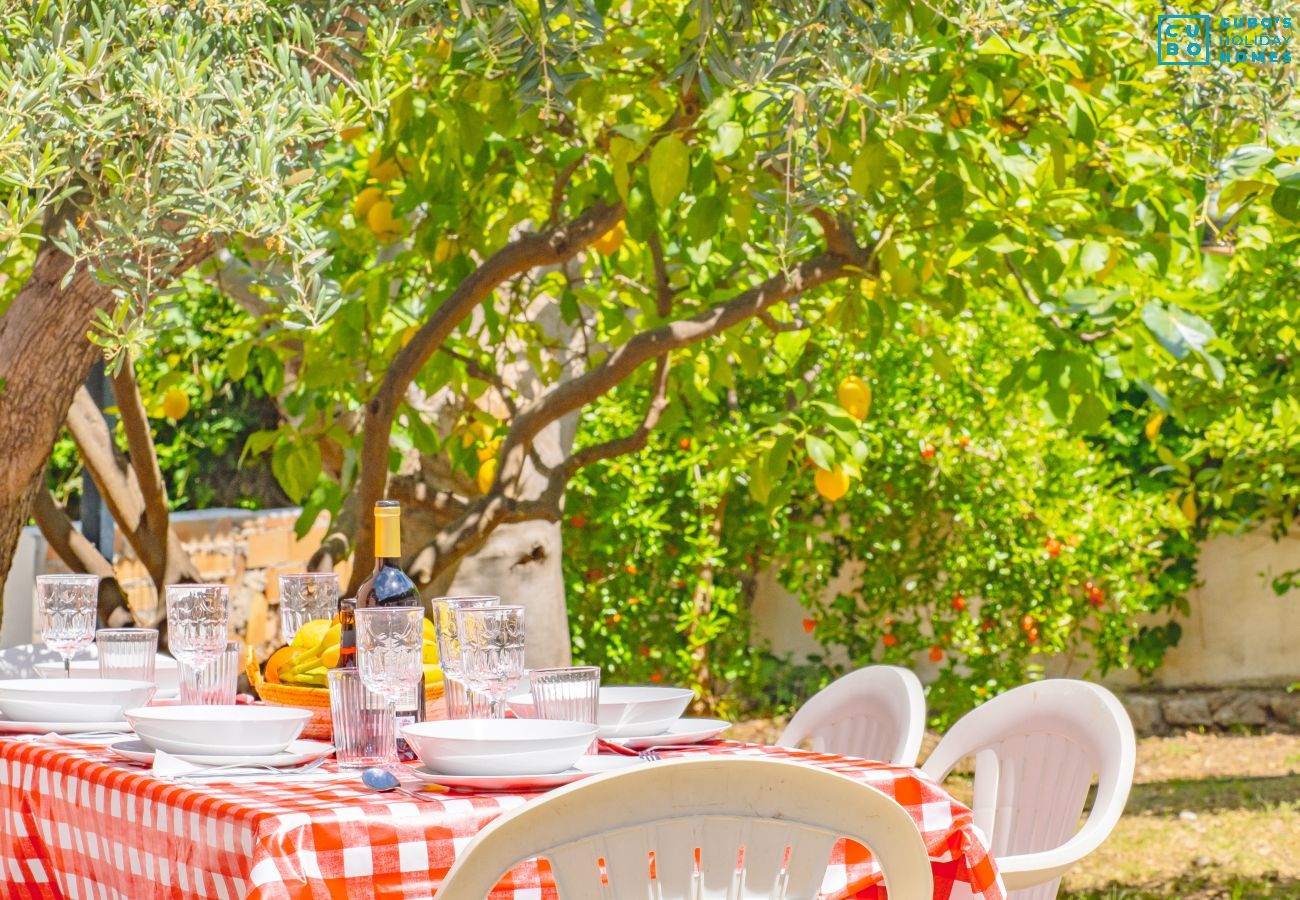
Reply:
x=389, y=585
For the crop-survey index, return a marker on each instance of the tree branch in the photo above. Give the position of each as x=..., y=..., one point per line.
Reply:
x=663, y=288
x=139, y=442
x=630, y=443
x=498, y=506
x=553, y=246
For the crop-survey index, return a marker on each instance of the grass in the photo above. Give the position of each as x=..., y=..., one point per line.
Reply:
x=1210, y=817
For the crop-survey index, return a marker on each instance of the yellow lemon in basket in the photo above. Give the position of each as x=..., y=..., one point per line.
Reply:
x=330, y=658
x=429, y=633
x=311, y=633
x=432, y=675
x=429, y=652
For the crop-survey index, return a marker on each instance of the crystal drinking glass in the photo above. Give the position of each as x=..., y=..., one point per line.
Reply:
x=215, y=684
x=569, y=694
x=491, y=651
x=130, y=653
x=67, y=605
x=457, y=697
x=390, y=643
x=197, y=621
x=304, y=597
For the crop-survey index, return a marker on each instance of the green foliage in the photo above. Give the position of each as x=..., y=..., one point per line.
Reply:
x=959, y=492
x=134, y=131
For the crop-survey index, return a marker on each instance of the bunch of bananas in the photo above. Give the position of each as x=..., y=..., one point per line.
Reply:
x=315, y=650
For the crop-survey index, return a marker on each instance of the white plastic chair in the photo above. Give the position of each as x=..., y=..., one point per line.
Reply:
x=874, y=713
x=766, y=807
x=1037, y=748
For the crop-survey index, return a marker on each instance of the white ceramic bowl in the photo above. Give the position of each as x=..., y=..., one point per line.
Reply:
x=626, y=712
x=499, y=746
x=166, y=672
x=72, y=700
x=218, y=730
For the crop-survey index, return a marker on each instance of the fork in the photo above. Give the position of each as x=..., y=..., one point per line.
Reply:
x=279, y=770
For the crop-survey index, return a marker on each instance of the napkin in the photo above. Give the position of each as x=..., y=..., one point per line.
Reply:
x=165, y=765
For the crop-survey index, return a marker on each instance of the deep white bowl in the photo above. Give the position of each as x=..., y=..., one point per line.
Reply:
x=218, y=730
x=499, y=746
x=72, y=700
x=626, y=712
x=166, y=672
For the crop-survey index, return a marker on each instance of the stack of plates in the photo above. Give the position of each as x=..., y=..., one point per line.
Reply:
x=69, y=706
x=221, y=735
x=167, y=674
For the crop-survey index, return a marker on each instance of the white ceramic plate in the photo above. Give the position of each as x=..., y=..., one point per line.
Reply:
x=625, y=710
x=583, y=768
x=296, y=754
x=680, y=733
x=71, y=699
x=491, y=746
x=11, y=726
x=213, y=730
x=166, y=673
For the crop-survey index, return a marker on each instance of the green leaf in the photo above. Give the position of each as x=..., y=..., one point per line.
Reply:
x=1244, y=161
x=821, y=452
x=237, y=360
x=670, y=166
x=1286, y=198
x=949, y=195
x=727, y=140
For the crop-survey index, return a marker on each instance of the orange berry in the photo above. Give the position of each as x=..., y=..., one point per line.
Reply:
x=578, y=521
x=1027, y=622
x=987, y=625
x=927, y=452
x=1033, y=635
x=808, y=625
x=963, y=442
x=959, y=603
x=889, y=640
x=684, y=443
x=630, y=569
x=936, y=654
x=1053, y=547
x=656, y=677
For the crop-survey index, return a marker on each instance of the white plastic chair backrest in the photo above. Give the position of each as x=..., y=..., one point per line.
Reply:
x=1037, y=748
x=20, y=661
x=784, y=817
x=877, y=712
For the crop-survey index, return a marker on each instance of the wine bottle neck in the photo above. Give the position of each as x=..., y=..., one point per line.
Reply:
x=388, y=538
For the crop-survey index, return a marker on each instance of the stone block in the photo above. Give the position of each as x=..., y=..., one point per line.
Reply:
x=267, y=548
x=1144, y=711
x=1238, y=708
x=1187, y=709
x=1286, y=708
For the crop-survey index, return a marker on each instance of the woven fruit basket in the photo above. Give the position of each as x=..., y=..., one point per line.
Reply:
x=317, y=700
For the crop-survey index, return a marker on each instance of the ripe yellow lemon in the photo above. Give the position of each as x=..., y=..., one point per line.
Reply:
x=444, y=250
x=176, y=403
x=831, y=483
x=611, y=240
x=487, y=473
x=383, y=169
x=854, y=396
x=365, y=200
x=381, y=221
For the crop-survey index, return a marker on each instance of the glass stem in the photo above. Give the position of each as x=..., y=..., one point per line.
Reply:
x=67, y=666
x=495, y=710
x=392, y=715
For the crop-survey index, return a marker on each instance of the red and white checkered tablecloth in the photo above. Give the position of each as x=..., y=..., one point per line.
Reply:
x=77, y=822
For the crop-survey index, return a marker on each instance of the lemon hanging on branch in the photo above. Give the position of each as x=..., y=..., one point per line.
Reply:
x=611, y=240
x=176, y=403
x=831, y=483
x=854, y=396
x=365, y=200
x=381, y=221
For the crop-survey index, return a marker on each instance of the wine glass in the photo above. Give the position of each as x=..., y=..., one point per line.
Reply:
x=67, y=606
x=305, y=596
x=444, y=628
x=491, y=651
x=390, y=644
x=197, y=624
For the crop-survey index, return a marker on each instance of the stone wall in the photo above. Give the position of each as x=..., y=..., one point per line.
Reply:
x=1164, y=712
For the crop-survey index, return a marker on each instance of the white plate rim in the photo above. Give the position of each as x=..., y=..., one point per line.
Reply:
x=15, y=726
x=524, y=782
x=683, y=732
x=284, y=758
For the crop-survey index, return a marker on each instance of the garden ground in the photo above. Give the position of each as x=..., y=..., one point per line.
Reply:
x=1210, y=816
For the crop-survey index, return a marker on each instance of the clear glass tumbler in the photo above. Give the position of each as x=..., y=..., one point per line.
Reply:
x=570, y=694
x=214, y=684
x=67, y=606
x=362, y=723
x=306, y=596
x=129, y=653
